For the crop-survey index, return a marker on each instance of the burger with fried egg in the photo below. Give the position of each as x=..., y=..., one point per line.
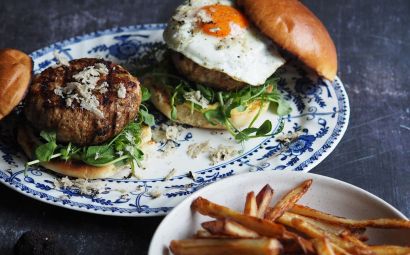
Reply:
x=224, y=55
x=79, y=118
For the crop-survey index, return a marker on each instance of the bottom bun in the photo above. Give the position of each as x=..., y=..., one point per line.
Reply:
x=28, y=142
x=160, y=99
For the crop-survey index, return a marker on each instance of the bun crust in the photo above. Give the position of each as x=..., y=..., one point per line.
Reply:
x=160, y=99
x=293, y=27
x=15, y=76
x=28, y=141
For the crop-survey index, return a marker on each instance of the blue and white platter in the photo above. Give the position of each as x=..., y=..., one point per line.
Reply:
x=301, y=140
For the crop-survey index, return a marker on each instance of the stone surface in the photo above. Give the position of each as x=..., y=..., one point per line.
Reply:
x=373, y=42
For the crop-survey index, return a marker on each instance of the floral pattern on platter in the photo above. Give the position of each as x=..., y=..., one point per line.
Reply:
x=305, y=137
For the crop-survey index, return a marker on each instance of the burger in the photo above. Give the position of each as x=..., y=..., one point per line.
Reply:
x=81, y=118
x=220, y=68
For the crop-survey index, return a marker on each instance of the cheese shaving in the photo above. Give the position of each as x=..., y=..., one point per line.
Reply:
x=222, y=153
x=122, y=92
x=196, y=98
x=197, y=148
x=61, y=60
x=82, y=90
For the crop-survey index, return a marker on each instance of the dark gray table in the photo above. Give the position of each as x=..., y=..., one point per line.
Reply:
x=373, y=41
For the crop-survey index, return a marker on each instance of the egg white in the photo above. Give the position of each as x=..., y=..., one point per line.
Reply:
x=245, y=55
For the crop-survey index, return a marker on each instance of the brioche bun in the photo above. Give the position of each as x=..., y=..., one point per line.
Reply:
x=28, y=142
x=160, y=99
x=293, y=27
x=15, y=76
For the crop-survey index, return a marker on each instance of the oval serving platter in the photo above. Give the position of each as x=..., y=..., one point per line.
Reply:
x=301, y=140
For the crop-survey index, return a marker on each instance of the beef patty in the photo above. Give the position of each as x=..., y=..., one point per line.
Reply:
x=86, y=102
x=200, y=74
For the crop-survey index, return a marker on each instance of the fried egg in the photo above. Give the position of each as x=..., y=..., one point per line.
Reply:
x=217, y=36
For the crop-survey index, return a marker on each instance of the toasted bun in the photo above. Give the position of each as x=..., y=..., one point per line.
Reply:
x=15, y=76
x=293, y=27
x=160, y=99
x=28, y=142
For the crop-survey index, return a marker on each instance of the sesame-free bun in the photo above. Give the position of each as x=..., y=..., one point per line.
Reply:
x=15, y=76
x=293, y=27
x=28, y=142
x=160, y=99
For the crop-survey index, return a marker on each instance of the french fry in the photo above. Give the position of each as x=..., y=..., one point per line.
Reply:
x=263, y=199
x=263, y=246
x=203, y=234
x=323, y=246
x=251, y=207
x=334, y=229
x=375, y=223
x=263, y=230
x=390, y=250
x=296, y=222
x=297, y=245
x=260, y=226
x=360, y=236
x=288, y=201
x=339, y=230
x=229, y=228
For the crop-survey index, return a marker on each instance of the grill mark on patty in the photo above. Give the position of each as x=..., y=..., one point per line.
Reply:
x=114, y=120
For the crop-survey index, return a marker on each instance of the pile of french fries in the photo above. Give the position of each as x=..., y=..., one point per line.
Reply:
x=285, y=228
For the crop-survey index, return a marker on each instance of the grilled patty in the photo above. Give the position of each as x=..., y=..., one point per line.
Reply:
x=116, y=91
x=202, y=75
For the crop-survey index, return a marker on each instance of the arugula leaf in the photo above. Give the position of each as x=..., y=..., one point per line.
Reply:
x=45, y=151
x=245, y=133
x=146, y=117
x=214, y=116
x=146, y=94
x=283, y=108
x=207, y=92
x=69, y=152
x=264, y=129
x=48, y=136
x=122, y=149
x=98, y=155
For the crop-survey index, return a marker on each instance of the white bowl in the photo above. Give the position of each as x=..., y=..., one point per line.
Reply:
x=326, y=194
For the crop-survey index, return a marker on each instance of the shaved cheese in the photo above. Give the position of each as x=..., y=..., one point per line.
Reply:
x=122, y=92
x=172, y=133
x=154, y=194
x=82, y=90
x=103, y=87
x=197, y=148
x=222, y=153
x=196, y=97
x=61, y=60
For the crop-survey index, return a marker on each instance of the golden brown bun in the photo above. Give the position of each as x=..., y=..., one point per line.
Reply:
x=160, y=99
x=293, y=27
x=15, y=76
x=28, y=141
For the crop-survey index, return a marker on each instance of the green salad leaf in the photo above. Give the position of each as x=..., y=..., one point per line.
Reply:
x=123, y=149
x=226, y=101
x=45, y=151
x=146, y=95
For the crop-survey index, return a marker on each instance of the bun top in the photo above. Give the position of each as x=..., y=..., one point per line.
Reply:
x=293, y=27
x=15, y=75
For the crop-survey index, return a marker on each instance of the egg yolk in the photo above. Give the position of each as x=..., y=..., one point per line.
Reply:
x=221, y=18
